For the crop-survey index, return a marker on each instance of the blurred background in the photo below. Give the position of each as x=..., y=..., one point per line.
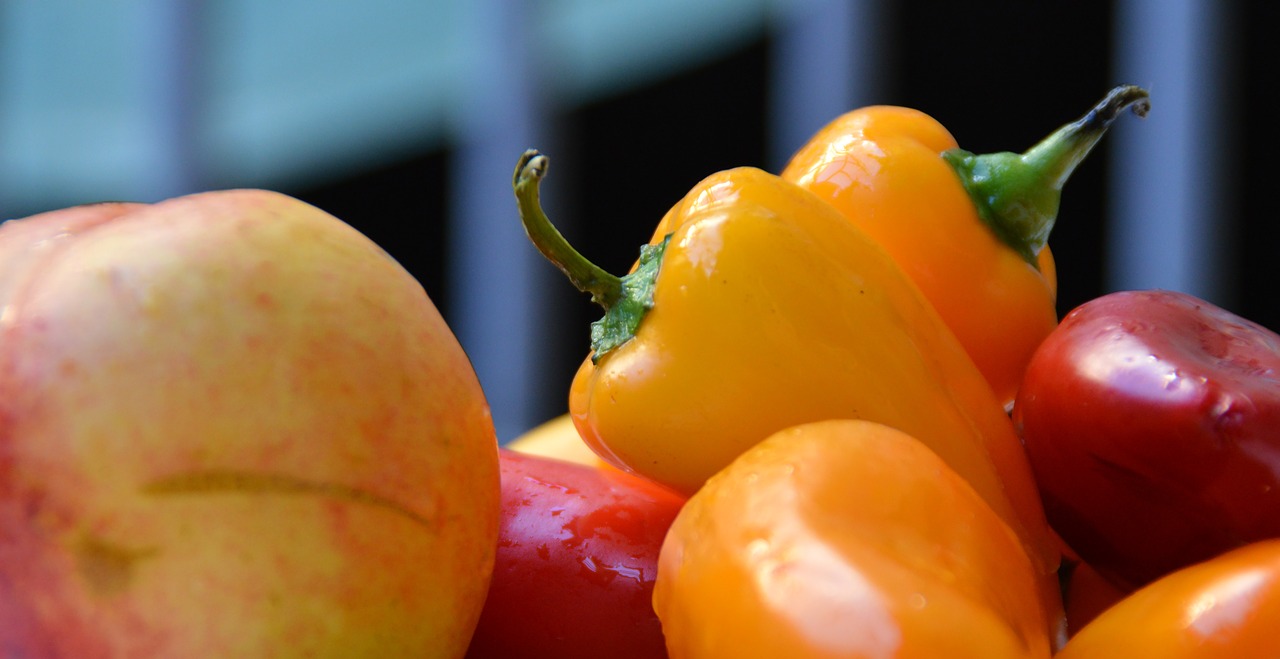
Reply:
x=405, y=118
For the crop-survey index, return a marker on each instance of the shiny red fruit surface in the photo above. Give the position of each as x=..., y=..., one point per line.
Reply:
x=576, y=562
x=1152, y=422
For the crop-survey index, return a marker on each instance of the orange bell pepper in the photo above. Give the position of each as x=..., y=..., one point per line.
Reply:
x=763, y=308
x=1226, y=606
x=845, y=539
x=975, y=243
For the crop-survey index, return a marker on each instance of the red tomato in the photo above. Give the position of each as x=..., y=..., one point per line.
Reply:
x=1152, y=422
x=576, y=561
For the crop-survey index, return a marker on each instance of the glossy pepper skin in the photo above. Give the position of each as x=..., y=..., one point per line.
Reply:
x=969, y=230
x=768, y=310
x=845, y=539
x=1226, y=606
x=576, y=563
x=1152, y=421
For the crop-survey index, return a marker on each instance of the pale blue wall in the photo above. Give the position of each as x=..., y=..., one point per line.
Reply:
x=144, y=99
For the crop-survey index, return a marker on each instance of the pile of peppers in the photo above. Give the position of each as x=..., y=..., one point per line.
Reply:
x=884, y=441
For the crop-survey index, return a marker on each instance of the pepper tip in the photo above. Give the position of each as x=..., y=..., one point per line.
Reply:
x=531, y=167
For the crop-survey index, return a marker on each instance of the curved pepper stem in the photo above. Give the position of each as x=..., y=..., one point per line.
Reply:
x=604, y=287
x=625, y=299
x=1017, y=195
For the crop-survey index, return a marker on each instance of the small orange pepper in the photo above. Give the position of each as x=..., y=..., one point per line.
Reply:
x=1226, y=606
x=845, y=539
x=971, y=231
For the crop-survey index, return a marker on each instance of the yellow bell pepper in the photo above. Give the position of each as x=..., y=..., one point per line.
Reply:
x=757, y=306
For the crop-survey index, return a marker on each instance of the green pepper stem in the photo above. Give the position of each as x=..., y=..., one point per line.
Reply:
x=1018, y=195
x=605, y=288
